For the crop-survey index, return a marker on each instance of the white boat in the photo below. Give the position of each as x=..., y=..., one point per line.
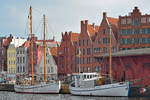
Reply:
x=91, y=84
x=43, y=88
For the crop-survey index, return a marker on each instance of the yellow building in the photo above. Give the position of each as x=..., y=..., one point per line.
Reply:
x=11, y=59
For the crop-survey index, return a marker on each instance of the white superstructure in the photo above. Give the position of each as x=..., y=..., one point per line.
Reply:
x=92, y=84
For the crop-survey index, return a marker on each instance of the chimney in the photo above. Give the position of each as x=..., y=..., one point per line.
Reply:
x=104, y=14
x=82, y=26
x=93, y=25
x=86, y=25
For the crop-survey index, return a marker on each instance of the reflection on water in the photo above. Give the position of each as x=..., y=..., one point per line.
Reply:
x=15, y=96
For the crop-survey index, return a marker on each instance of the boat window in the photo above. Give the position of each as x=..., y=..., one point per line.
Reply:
x=87, y=76
x=84, y=76
x=90, y=76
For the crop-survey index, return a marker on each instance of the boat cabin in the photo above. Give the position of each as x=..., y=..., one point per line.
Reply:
x=85, y=79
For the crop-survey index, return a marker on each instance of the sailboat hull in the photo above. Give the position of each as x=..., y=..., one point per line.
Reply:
x=51, y=88
x=115, y=89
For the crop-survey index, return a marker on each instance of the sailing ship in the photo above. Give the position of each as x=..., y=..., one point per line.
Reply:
x=94, y=84
x=42, y=87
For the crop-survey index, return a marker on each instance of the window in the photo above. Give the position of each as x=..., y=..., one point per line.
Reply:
x=143, y=31
x=123, y=21
x=18, y=69
x=125, y=41
x=79, y=42
x=97, y=68
x=83, y=42
x=88, y=60
x=17, y=59
x=23, y=69
x=135, y=40
x=143, y=20
x=143, y=40
x=135, y=23
x=128, y=41
x=128, y=31
x=105, y=40
x=83, y=51
x=149, y=19
x=99, y=41
x=89, y=69
x=135, y=31
x=105, y=50
x=104, y=31
x=83, y=60
x=148, y=30
x=23, y=59
x=88, y=51
x=128, y=20
x=83, y=69
x=87, y=42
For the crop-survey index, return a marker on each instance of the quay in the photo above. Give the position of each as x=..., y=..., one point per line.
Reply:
x=7, y=87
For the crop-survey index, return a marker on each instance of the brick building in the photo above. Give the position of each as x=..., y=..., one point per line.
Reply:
x=127, y=32
x=67, y=54
x=129, y=65
x=134, y=30
x=101, y=41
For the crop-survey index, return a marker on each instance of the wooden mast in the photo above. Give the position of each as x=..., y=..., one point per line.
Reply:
x=110, y=60
x=31, y=44
x=44, y=50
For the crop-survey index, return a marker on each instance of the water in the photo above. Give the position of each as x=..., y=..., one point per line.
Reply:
x=15, y=96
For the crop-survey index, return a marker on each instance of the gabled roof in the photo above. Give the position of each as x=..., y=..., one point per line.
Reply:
x=113, y=21
x=7, y=41
x=26, y=44
x=74, y=36
x=53, y=51
x=92, y=29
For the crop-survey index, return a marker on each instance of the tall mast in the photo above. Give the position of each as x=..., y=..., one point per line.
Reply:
x=110, y=60
x=31, y=44
x=44, y=50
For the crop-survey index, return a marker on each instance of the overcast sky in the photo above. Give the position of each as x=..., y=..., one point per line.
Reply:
x=61, y=15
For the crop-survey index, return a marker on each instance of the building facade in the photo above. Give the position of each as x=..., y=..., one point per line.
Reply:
x=67, y=54
x=134, y=30
x=11, y=54
x=21, y=60
x=132, y=65
x=51, y=66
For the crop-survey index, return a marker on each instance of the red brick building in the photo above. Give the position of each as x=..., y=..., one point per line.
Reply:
x=130, y=65
x=134, y=30
x=127, y=32
x=67, y=53
x=101, y=41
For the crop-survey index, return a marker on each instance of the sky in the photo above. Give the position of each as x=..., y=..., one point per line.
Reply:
x=61, y=15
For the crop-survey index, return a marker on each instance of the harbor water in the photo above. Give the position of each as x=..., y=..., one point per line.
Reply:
x=15, y=96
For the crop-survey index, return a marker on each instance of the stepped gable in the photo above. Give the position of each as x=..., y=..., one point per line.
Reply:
x=114, y=25
x=92, y=29
x=26, y=44
x=74, y=36
x=7, y=41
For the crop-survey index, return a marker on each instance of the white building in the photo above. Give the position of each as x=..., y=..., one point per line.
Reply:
x=51, y=66
x=21, y=61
